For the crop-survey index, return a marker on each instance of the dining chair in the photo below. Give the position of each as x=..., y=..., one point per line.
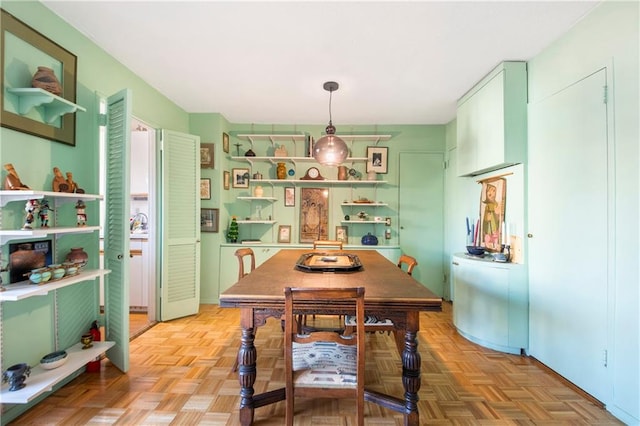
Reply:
x=242, y=255
x=327, y=243
x=324, y=364
x=373, y=323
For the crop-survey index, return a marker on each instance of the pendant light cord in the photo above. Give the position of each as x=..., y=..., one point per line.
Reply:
x=330, y=96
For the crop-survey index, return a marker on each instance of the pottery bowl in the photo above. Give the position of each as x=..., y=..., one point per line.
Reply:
x=70, y=268
x=57, y=270
x=46, y=275
x=53, y=360
x=475, y=250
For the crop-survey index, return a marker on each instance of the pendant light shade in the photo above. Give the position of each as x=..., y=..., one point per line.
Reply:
x=330, y=150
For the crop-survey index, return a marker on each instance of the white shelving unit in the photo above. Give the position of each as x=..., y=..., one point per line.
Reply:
x=41, y=380
x=54, y=106
x=25, y=289
x=316, y=182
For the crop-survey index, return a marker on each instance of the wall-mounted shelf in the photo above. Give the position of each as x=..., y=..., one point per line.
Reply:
x=25, y=289
x=54, y=106
x=294, y=160
x=21, y=234
x=363, y=221
x=374, y=204
x=41, y=380
x=271, y=199
x=317, y=182
x=268, y=222
x=7, y=196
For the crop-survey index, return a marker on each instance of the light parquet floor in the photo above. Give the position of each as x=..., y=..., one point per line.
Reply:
x=180, y=374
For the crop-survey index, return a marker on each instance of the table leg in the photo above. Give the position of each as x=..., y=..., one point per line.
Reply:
x=247, y=356
x=411, y=373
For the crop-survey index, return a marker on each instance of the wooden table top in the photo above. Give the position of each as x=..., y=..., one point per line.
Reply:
x=386, y=285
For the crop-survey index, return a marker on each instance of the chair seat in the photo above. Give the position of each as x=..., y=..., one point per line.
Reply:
x=370, y=320
x=324, y=364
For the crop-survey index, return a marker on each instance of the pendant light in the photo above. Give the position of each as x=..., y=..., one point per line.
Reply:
x=330, y=150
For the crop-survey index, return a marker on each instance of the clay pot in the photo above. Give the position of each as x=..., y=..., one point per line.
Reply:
x=78, y=256
x=281, y=171
x=16, y=375
x=342, y=172
x=45, y=79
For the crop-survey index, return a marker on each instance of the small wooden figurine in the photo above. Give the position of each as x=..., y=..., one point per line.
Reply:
x=59, y=183
x=12, y=181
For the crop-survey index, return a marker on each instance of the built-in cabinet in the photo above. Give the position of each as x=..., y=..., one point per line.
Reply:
x=41, y=380
x=490, y=302
x=492, y=121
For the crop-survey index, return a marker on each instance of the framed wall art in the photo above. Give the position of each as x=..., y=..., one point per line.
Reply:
x=225, y=142
x=342, y=234
x=289, y=196
x=205, y=189
x=240, y=178
x=377, y=159
x=24, y=50
x=226, y=179
x=284, y=233
x=314, y=214
x=209, y=220
x=207, y=155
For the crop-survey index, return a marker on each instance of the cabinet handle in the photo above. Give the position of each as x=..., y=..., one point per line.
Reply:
x=455, y=263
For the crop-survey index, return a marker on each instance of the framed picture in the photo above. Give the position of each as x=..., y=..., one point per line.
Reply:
x=284, y=233
x=342, y=234
x=209, y=219
x=225, y=142
x=206, y=155
x=314, y=214
x=289, y=196
x=377, y=159
x=492, y=204
x=26, y=49
x=387, y=221
x=240, y=178
x=226, y=179
x=205, y=189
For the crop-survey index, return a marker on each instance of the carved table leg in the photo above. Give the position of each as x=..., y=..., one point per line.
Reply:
x=247, y=356
x=411, y=377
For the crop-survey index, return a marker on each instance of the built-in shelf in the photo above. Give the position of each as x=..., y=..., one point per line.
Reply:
x=41, y=380
x=21, y=234
x=275, y=160
x=272, y=199
x=25, y=289
x=270, y=222
x=54, y=106
x=374, y=204
x=363, y=221
x=7, y=196
x=318, y=182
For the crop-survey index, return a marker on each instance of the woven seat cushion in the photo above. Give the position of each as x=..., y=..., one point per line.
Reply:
x=369, y=320
x=324, y=364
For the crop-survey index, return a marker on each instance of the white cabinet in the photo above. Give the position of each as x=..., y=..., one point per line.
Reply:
x=490, y=303
x=492, y=121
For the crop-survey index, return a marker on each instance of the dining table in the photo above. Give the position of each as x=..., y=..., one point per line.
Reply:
x=390, y=293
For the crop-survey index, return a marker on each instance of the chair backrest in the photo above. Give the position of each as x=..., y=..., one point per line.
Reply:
x=409, y=261
x=327, y=243
x=241, y=254
x=321, y=345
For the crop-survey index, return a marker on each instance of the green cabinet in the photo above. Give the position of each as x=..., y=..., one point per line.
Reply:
x=492, y=121
x=490, y=303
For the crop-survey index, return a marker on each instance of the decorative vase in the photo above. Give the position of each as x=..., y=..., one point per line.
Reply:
x=78, y=256
x=372, y=175
x=16, y=375
x=45, y=79
x=281, y=171
x=258, y=191
x=87, y=341
x=369, y=240
x=342, y=172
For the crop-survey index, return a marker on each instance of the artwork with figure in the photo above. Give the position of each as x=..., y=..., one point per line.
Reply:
x=492, y=207
x=314, y=214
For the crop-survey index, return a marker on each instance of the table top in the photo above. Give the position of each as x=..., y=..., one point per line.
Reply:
x=386, y=285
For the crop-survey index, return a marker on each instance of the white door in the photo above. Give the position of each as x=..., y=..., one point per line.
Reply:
x=116, y=227
x=180, y=222
x=421, y=209
x=568, y=222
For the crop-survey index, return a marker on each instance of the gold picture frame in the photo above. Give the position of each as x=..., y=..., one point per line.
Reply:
x=209, y=220
x=205, y=189
x=20, y=42
x=207, y=155
x=284, y=234
x=225, y=142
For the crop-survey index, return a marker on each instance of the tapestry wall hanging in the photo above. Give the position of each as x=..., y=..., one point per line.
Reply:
x=492, y=208
x=314, y=214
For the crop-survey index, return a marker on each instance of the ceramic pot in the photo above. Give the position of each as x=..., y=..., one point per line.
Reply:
x=369, y=240
x=342, y=172
x=86, y=340
x=78, y=256
x=45, y=79
x=281, y=171
x=16, y=375
x=26, y=258
x=258, y=191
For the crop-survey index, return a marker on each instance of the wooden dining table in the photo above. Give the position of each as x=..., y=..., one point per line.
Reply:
x=389, y=293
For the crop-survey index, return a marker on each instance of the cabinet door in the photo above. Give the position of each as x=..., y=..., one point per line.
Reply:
x=466, y=145
x=489, y=136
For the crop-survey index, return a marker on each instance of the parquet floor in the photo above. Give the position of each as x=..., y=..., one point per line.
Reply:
x=180, y=374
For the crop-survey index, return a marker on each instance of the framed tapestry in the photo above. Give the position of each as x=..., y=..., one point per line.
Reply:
x=314, y=214
x=492, y=207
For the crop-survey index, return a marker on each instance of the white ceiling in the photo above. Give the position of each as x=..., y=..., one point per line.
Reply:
x=266, y=62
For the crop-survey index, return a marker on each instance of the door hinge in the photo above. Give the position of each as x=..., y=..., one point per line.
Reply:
x=604, y=358
x=606, y=94
x=102, y=120
x=445, y=165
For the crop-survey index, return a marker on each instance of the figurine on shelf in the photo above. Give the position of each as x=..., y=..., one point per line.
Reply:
x=59, y=183
x=30, y=208
x=73, y=187
x=81, y=214
x=12, y=181
x=44, y=213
